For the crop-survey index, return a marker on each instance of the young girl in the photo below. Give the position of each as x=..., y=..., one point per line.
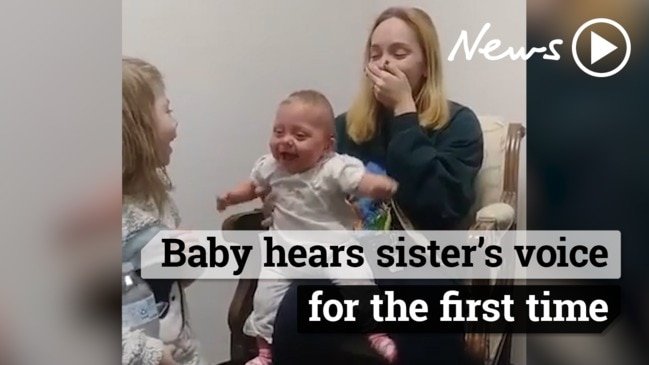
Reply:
x=147, y=132
x=312, y=184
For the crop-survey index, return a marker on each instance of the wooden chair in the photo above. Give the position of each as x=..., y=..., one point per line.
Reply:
x=497, y=187
x=495, y=210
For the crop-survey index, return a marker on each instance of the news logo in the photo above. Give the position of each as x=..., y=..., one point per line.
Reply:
x=608, y=55
x=603, y=42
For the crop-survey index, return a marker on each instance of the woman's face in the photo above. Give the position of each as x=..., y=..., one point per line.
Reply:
x=397, y=42
x=166, y=128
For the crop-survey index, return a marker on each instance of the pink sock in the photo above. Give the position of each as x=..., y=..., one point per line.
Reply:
x=384, y=346
x=264, y=355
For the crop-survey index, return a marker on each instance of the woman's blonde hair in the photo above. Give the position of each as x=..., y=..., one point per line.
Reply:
x=143, y=174
x=430, y=99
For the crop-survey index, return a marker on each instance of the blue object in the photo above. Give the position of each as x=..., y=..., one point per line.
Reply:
x=368, y=208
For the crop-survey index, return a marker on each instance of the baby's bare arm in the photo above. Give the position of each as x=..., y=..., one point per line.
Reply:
x=376, y=186
x=243, y=192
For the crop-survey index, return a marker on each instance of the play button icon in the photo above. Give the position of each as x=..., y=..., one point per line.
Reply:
x=604, y=50
x=599, y=47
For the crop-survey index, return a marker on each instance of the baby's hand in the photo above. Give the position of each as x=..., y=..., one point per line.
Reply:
x=377, y=186
x=385, y=187
x=222, y=202
x=268, y=199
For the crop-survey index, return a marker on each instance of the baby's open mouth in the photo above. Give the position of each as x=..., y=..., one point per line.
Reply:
x=288, y=156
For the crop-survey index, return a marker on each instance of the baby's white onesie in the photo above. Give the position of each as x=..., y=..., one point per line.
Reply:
x=311, y=200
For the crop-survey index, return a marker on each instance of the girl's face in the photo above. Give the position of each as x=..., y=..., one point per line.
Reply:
x=166, y=128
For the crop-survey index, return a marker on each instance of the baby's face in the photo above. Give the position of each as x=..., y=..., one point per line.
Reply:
x=300, y=136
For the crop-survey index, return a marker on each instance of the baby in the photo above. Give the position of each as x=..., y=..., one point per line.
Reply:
x=312, y=184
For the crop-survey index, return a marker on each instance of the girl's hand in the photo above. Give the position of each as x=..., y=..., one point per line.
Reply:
x=391, y=87
x=167, y=356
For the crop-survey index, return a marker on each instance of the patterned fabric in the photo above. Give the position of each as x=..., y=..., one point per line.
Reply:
x=139, y=349
x=141, y=217
x=138, y=214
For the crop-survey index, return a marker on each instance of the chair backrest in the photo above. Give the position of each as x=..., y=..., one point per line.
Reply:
x=497, y=180
x=489, y=184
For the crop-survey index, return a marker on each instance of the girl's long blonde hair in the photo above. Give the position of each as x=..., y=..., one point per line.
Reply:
x=430, y=99
x=143, y=174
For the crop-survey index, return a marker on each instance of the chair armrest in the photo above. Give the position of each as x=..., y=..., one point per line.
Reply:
x=242, y=347
x=241, y=304
x=502, y=214
x=499, y=216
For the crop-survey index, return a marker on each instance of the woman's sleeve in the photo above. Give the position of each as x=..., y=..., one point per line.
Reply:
x=139, y=349
x=436, y=175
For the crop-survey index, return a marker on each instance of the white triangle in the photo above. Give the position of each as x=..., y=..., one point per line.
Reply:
x=599, y=47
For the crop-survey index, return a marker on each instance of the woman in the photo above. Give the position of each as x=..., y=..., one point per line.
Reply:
x=402, y=123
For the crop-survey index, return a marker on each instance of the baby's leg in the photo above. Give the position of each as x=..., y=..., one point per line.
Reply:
x=264, y=356
x=384, y=345
x=266, y=301
x=357, y=283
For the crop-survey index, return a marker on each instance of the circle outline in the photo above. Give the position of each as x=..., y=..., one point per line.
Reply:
x=627, y=41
